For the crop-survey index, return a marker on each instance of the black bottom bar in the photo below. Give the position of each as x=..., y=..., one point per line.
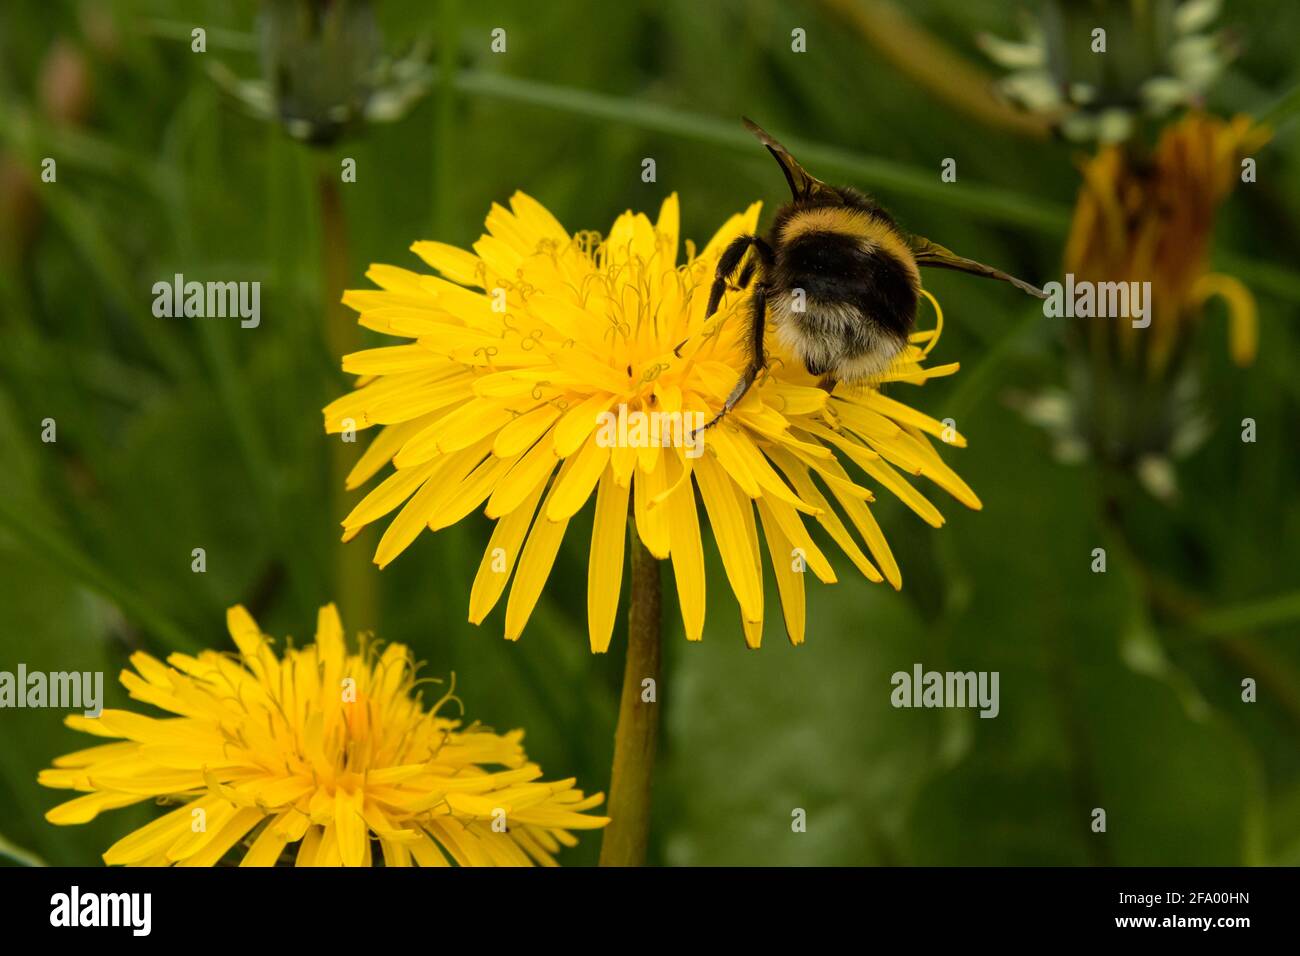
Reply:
x=569, y=906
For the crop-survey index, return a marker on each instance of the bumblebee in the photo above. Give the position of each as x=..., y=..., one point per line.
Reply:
x=839, y=276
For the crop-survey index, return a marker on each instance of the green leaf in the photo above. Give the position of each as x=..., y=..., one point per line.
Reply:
x=1092, y=715
x=754, y=736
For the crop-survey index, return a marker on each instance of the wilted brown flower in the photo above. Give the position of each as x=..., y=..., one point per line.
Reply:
x=1140, y=219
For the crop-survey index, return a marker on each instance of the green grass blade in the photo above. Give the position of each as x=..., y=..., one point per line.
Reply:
x=50, y=544
x=989, y=202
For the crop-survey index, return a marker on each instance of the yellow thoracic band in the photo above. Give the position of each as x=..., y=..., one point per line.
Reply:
x=853, y=222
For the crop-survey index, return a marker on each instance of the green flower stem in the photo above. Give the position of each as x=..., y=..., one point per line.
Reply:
x=444, y=115
x=637, y=736
x=353, y=575
x=18, y=854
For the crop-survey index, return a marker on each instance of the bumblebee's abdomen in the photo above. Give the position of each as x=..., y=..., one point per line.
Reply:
x=840, y=271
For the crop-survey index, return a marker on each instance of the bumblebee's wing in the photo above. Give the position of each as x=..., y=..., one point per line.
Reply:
x=802, y=183
x=929, y=253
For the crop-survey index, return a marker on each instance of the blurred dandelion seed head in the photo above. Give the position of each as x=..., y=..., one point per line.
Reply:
x=1098, y=70
x=324, y=70
x=319, y=59
x=1134, y=398
x=520, y=347
x=320, y=747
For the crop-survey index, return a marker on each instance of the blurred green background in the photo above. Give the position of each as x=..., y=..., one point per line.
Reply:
x=177, y=434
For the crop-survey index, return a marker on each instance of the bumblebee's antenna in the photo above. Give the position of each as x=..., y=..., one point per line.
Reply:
x=802, y=183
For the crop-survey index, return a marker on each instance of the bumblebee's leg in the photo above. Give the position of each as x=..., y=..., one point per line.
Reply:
x=727, y=264
x=757, y=354
x=747, y=274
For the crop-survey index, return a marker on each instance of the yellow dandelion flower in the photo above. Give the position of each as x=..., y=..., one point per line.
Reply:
x=1151, y=219
x=321, y=747
x=519, y=349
